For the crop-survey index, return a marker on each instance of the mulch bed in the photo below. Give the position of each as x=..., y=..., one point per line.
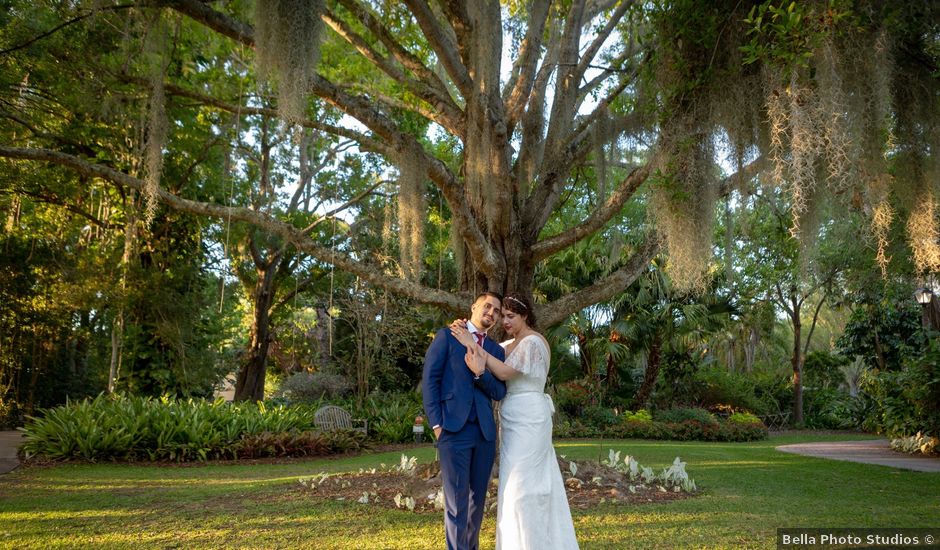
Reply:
x=593, y=485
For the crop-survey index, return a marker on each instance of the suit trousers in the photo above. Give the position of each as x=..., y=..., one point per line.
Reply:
x=466, y=464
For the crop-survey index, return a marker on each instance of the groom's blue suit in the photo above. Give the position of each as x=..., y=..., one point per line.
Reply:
x=462, y=405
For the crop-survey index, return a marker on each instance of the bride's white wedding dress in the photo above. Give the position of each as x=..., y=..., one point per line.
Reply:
x=532, y=511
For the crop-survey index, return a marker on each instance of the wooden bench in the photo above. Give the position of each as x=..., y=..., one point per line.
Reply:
x=331, y=417
x=776, y=421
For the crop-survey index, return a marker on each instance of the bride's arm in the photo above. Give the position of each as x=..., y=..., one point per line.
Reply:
x=479, y=360
x=499, y=369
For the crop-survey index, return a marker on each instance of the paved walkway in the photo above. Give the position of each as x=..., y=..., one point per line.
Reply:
x=869, y=451
x=9, y=442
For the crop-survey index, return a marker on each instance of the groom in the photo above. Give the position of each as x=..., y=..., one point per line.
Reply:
x=459, y=409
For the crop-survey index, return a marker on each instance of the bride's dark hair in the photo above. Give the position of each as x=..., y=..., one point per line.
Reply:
x=520, y=305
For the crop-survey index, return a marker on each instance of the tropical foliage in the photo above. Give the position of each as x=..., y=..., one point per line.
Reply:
x=140, y=428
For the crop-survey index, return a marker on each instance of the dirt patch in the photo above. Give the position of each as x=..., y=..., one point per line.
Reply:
x=42, y=462
x=417, y=489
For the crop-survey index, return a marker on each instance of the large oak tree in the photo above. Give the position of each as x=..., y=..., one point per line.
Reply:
x=535, y=101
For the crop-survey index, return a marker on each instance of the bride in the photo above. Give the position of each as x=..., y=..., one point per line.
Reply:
x=532, y=509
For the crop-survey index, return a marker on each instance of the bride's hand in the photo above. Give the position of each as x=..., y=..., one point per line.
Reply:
x=459, y=329
x=475, y=359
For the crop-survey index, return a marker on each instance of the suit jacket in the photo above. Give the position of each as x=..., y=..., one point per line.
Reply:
x=448, y=385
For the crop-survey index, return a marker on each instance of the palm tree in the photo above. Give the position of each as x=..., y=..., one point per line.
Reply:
x=651, y=318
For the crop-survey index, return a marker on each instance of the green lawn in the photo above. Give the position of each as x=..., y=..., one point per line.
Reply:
x=748, y=491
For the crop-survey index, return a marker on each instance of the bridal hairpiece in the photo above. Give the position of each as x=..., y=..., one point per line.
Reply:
x=517, y=301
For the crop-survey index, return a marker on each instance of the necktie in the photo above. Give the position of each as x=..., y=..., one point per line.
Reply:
x=479, y=336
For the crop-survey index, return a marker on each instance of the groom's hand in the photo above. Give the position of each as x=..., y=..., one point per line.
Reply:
x=437, y=432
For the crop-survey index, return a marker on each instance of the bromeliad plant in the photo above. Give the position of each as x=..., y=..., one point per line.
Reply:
x=674, y=477
x=132, y=428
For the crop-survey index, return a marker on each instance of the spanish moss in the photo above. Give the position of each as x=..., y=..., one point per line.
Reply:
x=287, y=40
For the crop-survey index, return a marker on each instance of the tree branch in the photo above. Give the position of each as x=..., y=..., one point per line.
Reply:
x=344, y=206
x=545, y=196
x=260, y=220
x=72, y=21
x=614, y=67
x=598, y=218
x=518, y=90
x=361, y=109
x=215, y=20
x=456, y=12
x=406, y=58
x=566, y=87
x=812, y=326
x=365, y=142
x=604, y=289
x=442, y=45
x=602, y=37
x=783, y=300
x=57, y=201
x=447, y=113
x=78, y=147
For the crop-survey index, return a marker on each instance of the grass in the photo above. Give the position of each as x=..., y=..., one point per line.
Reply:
x=749, y=490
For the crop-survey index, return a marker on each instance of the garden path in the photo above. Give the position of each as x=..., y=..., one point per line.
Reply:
x=870, y=451
x=9, y=443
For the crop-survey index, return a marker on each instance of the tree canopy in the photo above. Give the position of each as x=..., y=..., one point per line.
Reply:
x=478, y=138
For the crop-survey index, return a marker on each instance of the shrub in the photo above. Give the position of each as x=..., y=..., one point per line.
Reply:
x=575, y=428
x=907, y=401
x=693, y=430
x=743, y=418
x=823, y=370
x=117, y=427
x=294, y=443
x=734, y=431
x=392, y=416
x=638, y=430
x=641, y=415
x=597, y=415
x=307, y=387
x=918, y=443
x=773, y=389
x=571, y=396
x=685, y=430
x=679, y=415
x=829, y=408
x=9, y=414
x=717, y=385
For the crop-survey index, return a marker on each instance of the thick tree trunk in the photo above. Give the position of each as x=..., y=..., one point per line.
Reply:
x=652, y=374
x=250, y=383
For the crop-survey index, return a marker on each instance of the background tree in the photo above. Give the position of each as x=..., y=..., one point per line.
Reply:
x=781, y=270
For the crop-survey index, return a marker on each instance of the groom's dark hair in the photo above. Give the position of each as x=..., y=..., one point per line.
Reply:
x=496, y=295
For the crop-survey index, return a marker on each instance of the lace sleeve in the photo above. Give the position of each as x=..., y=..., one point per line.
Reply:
x=530, y=357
